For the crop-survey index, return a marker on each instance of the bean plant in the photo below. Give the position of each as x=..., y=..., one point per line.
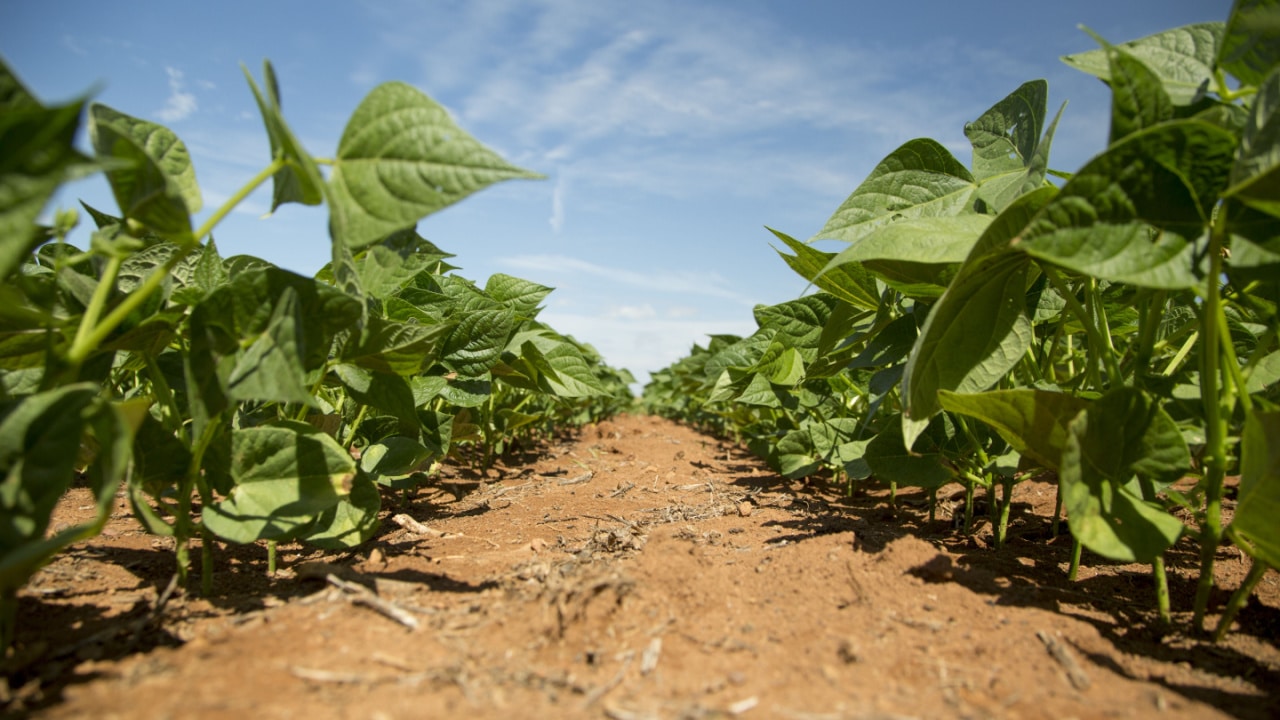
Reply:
x=232, y=400
x=1115, y=326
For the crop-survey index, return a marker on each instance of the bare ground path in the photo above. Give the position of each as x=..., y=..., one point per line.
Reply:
x=637, y=570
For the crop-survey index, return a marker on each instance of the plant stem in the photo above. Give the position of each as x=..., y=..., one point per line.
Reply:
x=1096, y=342
x=90, y=335
x=1006, y=501
x=271, y=557
x=1215, y=421
x=1239, y=597
x=98, y=302
x=1056, y=525
x=1157, y=565
x=1076, y=551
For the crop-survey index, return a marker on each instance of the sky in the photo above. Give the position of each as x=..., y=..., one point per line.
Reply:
x=673, y=133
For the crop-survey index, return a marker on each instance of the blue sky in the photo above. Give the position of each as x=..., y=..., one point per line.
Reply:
x=671, y=132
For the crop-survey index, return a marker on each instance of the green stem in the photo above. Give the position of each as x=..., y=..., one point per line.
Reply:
x=1086, y=319
x=1149, y=322
x=271, y=557
x=1076, y=551
x=1239, y=598
x=1006, y=502
x=1056, y=525
x=98, y=302
x=1215, y=421
x=1181, y=355
x=87, y=340
x=1157, y=564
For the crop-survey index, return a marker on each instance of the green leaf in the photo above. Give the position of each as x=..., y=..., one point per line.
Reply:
x=353, y=521
x=323, y=309
x=391, y=264
x=393, y=461
x=1099, y=224
x=931, y=240
x=1009, y=157
x=400, y=159
x=402, y=348
x=386, y=392
x=477, y=341
x=284, y=476
x=1250, y=46
x=919, y=179
x=40, y=449
x=155, y=183
x=849, y=282
x=890, y=460
x=1121, y=434
x=798, y=323
x=1255, y=177
x=1138, y=99
x=300, y=180
x=1182, y=58
x=974, y=335
x=1033, y=421
x=891, y=344
x=271, y=370
x=1258, y=504
x=522, y=296
x=571, y=376
x=39, y=155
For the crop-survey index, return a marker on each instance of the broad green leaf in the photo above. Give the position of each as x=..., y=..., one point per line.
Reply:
x=891, y=344
x=393, y=461
x=284, y=476
x=1264, y=374
x=477, y=341
x=160, y=459
x=1099, y=224
x=849, y=282
x=393, y=263
x=760, y=392
x=798, y=323
x=1182, y=58
x=522, y=296
x=919, y=179
x=974, y=335
x=929, y=240
x=1138, y=100
x=467, y=392
x=781, y=365
x=1033, y=421
x=1121, y=434
x=890, y=460
x=39, y=155
x=323, y=309
x=300, y=179
x=1251, y=44
x=1258, y=504
x=1009, y=157
x=155, y=183
x=41, y=438
x=1005, y=136
x=400, y=159
x=402, y=348
x=271, y=369
x=572, y=376
x=386, y=392
x=349, y=523
x=1255, y=178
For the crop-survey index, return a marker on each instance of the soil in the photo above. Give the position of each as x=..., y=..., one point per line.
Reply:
x=637, y=569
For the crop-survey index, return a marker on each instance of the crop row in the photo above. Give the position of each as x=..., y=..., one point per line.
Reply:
x=235, y=400
x=1115, y=330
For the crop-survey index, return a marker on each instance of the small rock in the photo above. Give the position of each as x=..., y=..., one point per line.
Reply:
x=745, y=508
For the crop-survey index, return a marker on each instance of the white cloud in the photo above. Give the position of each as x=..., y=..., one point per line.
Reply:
x=557, y=205
x=180, y=103
x=684, y=282
x=69, y=42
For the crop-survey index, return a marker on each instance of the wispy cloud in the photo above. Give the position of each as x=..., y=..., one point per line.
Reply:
x=180, y=103
x=557, y=205
x=677, y=282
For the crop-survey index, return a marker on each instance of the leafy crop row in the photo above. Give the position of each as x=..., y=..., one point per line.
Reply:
x=233, y=399
x=1118, y=328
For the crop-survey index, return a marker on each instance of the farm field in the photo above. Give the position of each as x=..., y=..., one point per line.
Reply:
x=638, y=569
